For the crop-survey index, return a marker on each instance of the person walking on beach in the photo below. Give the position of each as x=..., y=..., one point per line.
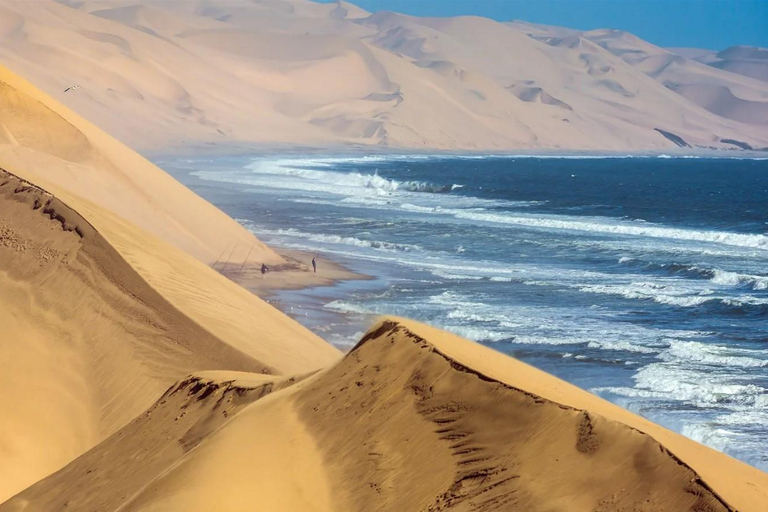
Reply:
x=264, y=269
x=314, y=264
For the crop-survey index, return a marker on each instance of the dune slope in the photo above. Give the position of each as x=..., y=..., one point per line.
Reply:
x=85, y=339
x=88, y=342
x=185, y=415
x=412, y=419
x=106, y=297
x=43, y=141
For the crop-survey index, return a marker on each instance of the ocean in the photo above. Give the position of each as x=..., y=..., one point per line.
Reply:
x=641, y=279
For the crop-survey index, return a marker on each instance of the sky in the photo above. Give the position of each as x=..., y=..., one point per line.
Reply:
x=711, y=24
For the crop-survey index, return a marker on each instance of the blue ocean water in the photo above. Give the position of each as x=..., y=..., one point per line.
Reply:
x=644, y=280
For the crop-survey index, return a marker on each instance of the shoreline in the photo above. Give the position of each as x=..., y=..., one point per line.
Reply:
x=266, y=150
x=512, y=316
x=295, y=274
x=291, y=287
x=297, y=292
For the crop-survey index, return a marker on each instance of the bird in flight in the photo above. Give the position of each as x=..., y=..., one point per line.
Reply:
x=71, y=88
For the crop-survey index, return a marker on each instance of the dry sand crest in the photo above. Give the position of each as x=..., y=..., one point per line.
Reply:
x=401, y=423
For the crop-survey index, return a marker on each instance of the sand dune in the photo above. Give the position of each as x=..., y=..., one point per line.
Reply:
x=92, y=334
x=749, y=61
x=412, y=419
x=108, y=299
x=295, y=72
x=745, y=60
x=720, y=99
x=188, y=413
x=101, y=314
x=44, y=142
x=726, y=94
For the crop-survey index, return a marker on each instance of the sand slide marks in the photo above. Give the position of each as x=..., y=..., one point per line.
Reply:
x=434, y=434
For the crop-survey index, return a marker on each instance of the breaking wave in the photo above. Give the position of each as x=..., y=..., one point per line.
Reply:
x=664, y=314
x=715, y=275
x=336, y=239
x=609, y=226
x=307, y=169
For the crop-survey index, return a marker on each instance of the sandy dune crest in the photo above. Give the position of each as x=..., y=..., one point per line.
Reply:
x=411, y=419
x=100, y=315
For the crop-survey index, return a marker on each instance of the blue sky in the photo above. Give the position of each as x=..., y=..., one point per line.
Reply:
x=713, y=24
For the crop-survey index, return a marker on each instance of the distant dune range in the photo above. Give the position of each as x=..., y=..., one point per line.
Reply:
x=744, y=60
x=161, y=75
x=135, y=377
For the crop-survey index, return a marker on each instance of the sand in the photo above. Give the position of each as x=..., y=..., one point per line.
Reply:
x=136, y=376
x=101, y=315
x=744, y=60
x=295, y=274
x=100, y=332
x=403, y=422
x=162, y=74
x=48, y=144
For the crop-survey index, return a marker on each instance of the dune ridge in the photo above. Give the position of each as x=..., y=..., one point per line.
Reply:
x=281, y=73
x=403, y=422
x=129, y=339
x=188, y=412
x=98, y=341
x=102, y=314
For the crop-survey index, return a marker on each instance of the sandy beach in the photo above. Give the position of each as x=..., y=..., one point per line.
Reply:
x=296, y=273
x=141, y=365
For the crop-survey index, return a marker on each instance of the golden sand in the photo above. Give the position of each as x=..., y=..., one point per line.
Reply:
x=137, y=377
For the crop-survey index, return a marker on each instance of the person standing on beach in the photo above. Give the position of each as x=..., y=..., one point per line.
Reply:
x=264, y=269
x=314, y=264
